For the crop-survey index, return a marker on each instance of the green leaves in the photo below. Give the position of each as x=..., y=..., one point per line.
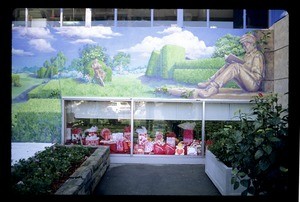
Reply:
x=256, y=149
x=38, y=174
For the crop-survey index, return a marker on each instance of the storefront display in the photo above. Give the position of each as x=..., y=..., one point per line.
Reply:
x=139, y=126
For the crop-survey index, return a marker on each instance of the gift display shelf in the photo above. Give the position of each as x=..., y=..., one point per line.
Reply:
x=133, y=126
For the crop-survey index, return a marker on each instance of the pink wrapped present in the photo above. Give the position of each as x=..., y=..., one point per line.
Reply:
x=188, y=136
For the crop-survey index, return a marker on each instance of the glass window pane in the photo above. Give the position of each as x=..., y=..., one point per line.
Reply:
x=221, y=18
x=257, y=18
x=164, y=123
x=238, y=19
x=18, y=17
x=37, y=17
x=102, y=17
x=165, y=17
x=53, y=16
x=73, y=16
x=195, y=17
x=134, y=17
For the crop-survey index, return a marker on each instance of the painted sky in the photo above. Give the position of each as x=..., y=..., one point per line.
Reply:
x=32, y=46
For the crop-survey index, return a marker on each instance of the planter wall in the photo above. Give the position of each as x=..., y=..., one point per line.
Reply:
x=220, y=175
x=84, y=180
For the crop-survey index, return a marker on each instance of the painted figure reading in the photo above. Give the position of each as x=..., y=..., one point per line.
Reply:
x=247, y=73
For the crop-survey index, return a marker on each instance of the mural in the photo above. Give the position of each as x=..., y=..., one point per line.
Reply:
x=162, y=62
x=147, y=62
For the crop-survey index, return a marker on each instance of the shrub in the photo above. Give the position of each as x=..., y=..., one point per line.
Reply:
x=46, y=170
x=16, y=80
x=257, y=148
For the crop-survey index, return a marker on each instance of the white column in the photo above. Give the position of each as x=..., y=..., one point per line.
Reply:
x=88, y=17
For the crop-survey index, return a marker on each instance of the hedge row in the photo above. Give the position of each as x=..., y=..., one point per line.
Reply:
x=39, y=120
x=50, y=90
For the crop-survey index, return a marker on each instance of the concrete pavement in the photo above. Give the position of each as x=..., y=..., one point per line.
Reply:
x=156, y=180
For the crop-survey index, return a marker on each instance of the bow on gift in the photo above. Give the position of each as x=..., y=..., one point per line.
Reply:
x=187, y=125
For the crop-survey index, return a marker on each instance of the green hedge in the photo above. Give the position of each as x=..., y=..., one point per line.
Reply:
x=153, y=64
x=39, y=120
x=16, y=80
x=50, y=90
x=170, y=54
x=206, y=63
x=193, y=76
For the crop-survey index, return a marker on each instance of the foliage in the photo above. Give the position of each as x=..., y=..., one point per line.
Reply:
x=48, y=90
x=124, y=86
x=152, y=67
x=42, y=173
x=192, y=76
x=16, y=80
x=27, y=81
x=210, y=64
x=263, y=40
x=51, y=68
x=169, y=55
x=223, y=139
x=257, y=149
x=91, y=52
x=41, y=72
x=58, y=61
x=88, y=70
x=76, y=64
x=228, y=44
x=120, y=61
x=38, y=120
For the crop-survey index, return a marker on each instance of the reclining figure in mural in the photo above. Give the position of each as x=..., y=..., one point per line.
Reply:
x=247, y=73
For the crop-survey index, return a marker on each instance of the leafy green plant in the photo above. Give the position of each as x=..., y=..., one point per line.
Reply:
x=257, y=148
x=47, y=170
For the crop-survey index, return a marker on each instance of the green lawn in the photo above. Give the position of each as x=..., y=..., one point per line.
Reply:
x=27, y=82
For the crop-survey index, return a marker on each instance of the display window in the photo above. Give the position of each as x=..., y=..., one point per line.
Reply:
x=144, y=126
x=135, y=127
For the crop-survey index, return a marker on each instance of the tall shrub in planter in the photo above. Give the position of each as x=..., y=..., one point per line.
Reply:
x=257, y=148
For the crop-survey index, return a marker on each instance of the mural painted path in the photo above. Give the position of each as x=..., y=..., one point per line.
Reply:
x=23, y=97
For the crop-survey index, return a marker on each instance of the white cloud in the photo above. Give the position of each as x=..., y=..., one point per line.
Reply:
x=171, y=30
x=84, y=41
x=41, y=45
x=21, y=52
x=87, y=32
x=194, y=47
x=35, y=32
x=148, y=44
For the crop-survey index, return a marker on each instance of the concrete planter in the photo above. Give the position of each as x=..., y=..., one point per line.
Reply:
x=220, y=175
x=84, y=180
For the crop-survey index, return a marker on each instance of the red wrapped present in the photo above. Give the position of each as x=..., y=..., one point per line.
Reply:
x=139, y=149
x=169, y=149
x=126, y=146
x=159, y=149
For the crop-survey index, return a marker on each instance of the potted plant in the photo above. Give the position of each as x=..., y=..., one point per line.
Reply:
x=254, y=149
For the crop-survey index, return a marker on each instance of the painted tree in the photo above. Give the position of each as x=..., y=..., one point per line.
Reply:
x=120, y=61
x=76, y=64
x=89, y=53
x=59, y=61
x=51, y=68
x=228, y=44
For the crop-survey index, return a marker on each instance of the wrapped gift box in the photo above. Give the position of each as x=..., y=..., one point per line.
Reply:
x=92, y=142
